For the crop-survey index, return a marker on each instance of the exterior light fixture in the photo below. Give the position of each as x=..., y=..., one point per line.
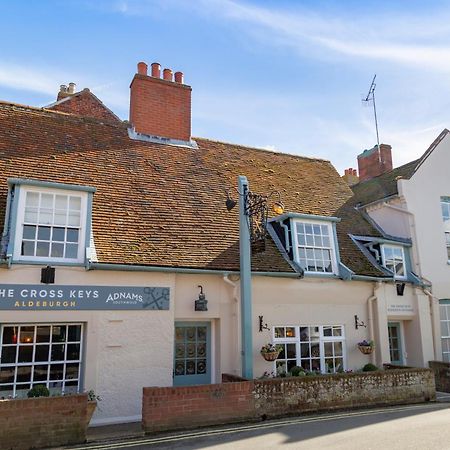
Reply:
x=201, y=304
x=48, y=275
x=400, y=288
x=256, y=209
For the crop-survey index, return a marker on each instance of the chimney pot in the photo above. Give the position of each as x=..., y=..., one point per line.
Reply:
x=179, y=77
x=62, y=88
x=355, y=172
x=156, y=70
x=346, y=172
x=142, y=68
x=167, y=74
x=71, y=89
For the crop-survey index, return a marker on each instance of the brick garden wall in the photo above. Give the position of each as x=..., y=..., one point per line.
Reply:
x=42, y=422
x=184, y=407
x=441, y=375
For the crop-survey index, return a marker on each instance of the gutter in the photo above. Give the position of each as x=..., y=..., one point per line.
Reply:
x=130, y=268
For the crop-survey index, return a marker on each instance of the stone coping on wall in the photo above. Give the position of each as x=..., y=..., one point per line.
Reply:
x=232, y=401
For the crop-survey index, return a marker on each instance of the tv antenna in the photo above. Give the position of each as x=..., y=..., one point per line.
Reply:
x=371, y=97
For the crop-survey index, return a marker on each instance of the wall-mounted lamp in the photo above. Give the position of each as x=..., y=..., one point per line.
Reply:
x=201, y=304
x=262, y=325
x=359, y=323
x=48, y=275
x=400, y=288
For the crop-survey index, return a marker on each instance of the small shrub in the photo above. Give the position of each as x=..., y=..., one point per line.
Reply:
x=38, y=391
x=297, y=371
x=370, y=368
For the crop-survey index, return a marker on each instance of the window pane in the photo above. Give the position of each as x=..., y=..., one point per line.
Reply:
x=60, y=217
x=75, y=203
x=74, y=219
x=29, y=232
x=58, y=352
x=25, y=354
x=57, y=250
x=26, y=335
x=40, y=373
x=41, y=353
x=10, y=335
x=73, y=352
x=32, y=199
x=61, y=202
x=8, y=355
x=7, y=374
x=58, y=234
x=42, y=248
x=74, y=333
x=279, y=332
x=31, y=215
x=27, y=248
x=72, y=235
x=23, y=373
x=72, y=251
x=56, y=371
x=290, y=332
x=46, y=216
x=71, y=371
x=59, y=333
x=44, y=233
x=291, y=351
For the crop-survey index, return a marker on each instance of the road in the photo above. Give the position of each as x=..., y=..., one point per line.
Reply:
x=409, y=427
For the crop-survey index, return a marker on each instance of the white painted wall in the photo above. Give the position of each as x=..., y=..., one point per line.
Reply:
x=127, y=350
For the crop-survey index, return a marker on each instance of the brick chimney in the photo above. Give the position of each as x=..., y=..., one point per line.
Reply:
x=372, y=163
x=160, y=106
x=351, y=176
x=66, y=91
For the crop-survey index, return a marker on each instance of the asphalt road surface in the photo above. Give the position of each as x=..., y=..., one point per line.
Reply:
x=405, y=427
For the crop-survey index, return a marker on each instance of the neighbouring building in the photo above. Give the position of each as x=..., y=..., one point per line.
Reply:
x=412, y=202
x=113, y=230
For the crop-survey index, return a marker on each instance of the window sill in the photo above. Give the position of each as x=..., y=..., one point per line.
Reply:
x=46, y=262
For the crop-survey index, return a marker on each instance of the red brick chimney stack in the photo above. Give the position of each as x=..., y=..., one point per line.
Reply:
x=160, y=107
x=351, y=176
x=372, y=163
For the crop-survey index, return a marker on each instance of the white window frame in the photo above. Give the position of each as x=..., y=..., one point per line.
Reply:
x=79, y=361
x=17, y=256
x=446, y=221
x=383, y=260
x=444, y=313
x=332, y=247
x=322, y=340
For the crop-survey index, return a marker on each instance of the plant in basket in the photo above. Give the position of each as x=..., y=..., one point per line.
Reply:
x=270, y=351
x=366, y=347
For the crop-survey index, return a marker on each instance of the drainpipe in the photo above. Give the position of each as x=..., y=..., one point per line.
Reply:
x=370, y=302
x=235, y=286
x=414, y=232
x=436, y=338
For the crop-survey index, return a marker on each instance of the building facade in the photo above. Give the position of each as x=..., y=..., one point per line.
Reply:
x=120, y=259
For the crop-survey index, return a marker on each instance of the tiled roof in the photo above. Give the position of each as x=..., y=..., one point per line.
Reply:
x=385, y=185
x=382, y=186
x=164, y=205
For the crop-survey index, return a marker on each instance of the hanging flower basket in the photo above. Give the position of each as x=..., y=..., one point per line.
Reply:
x=366, y=347
x=270, y=351
x=272, y=356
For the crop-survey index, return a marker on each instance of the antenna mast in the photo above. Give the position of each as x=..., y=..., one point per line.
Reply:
x=371, y=97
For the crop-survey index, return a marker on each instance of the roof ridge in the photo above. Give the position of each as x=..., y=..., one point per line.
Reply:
x=276, y=152
x=43, y=109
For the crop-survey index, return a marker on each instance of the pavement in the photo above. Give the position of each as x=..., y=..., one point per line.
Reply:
x=302, y=431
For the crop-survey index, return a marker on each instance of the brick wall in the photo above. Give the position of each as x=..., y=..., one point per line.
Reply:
x=86, y=104
x=160, y=107
x=42, y=422
x=441, y=375
x=370, y=165
x=183, y=407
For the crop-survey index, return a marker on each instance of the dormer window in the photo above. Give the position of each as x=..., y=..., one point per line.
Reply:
x=314, y=246
x=393, y=258
x=51, y=224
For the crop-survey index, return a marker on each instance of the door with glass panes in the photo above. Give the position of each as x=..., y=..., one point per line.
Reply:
x=395, y=343
x=192, y=353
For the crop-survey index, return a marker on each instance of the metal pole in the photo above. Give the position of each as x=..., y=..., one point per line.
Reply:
x=246, y=281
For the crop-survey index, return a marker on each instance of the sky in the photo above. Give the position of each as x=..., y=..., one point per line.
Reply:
x=283, y=75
